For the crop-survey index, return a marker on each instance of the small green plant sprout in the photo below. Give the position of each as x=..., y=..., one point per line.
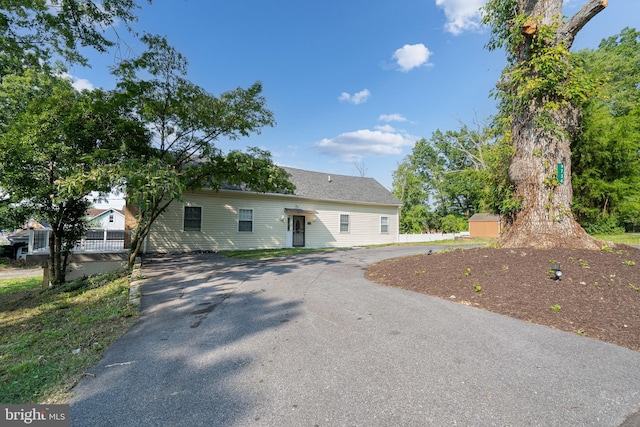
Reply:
x=580, y=332
x=555, y=308
x=419, y=272
x=634, y=287
x=505, y=267
x=606, y=248
x=467, y=272
x=580, y=261
x=477, y=288
x=629, y=263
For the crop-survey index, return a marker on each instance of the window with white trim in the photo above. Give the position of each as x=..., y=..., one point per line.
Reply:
x=245, y=220
x=192, y=218
x=344, y=223
x=384, y=224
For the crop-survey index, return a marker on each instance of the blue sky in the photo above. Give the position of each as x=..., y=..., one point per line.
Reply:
x=348, y=81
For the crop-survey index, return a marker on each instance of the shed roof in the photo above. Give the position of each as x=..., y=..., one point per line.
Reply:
x=342, y=188
x=483, y=217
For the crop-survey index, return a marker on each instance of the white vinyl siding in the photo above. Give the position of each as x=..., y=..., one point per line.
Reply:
x=384, y=224
x=109, y=220
x=344, y=223
x=220, y=215
x=245, y=220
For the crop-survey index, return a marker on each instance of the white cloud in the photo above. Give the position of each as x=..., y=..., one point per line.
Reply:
x=392, y=118
x=356, y=98
x=411, y=56
x=385, y=128
x=462, y=15
x=77, y=83
x=350, y=146
x=80, y=84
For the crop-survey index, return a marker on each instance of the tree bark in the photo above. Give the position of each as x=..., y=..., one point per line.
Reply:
x=545, y=220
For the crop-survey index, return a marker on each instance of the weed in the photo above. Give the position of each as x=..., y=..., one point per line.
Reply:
x=419, y=272
x=580, y=332
x=477, y=288
x=634, y=287
x=467, y=272
x=606, y=248
x=505, y=267
x=629, y=262
x=583, y=263
x=555, y=308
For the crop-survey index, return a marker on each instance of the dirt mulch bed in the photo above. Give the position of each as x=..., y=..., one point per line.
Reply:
x=598, y=295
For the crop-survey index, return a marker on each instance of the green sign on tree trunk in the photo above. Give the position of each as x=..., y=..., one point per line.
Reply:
x=560, y=173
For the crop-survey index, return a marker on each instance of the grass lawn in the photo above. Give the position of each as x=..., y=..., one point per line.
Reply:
x=272, y=253
x=49, y=338
x=622, y=239
x=12, y=286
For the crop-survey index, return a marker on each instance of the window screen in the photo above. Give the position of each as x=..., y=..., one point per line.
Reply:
x=344, y=223
x=192, y=218
x=245, y=220
x=384, y=224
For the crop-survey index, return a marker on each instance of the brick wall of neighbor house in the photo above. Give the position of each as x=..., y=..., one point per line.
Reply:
x=219, y=229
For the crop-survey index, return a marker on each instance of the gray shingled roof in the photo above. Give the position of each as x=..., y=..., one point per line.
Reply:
x=343, y=188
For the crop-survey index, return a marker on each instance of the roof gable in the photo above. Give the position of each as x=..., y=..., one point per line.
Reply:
x=96, y=213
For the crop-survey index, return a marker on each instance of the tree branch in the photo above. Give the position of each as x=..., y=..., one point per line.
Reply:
x=568, y=31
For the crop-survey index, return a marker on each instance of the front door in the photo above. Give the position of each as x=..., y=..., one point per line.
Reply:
x=298, y=231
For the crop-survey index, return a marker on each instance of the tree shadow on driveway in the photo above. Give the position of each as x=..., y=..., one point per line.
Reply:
x=178, y=365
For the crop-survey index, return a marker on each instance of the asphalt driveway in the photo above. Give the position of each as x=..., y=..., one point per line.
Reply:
x=308, y=341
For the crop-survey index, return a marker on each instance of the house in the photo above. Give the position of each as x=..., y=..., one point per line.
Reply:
x=106, y=219
x=325, y=211
x=18, y=247
x=485, y=225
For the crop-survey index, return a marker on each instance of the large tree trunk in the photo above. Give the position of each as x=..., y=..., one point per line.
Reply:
x=545, y=220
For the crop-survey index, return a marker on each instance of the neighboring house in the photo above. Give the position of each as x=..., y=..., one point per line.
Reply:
x=325, y=211
x=106, y=219
x=19, y=240
x=485, y=225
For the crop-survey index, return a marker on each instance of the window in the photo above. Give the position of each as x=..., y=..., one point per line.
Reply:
x=344, y=223
x=245, y=220
x=192, y=218
x=111, y=218
x=384, y=224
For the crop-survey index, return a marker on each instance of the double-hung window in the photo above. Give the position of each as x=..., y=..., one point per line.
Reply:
x=192, y=218
x=384, y=224
x=344, y=223
x=245, y=220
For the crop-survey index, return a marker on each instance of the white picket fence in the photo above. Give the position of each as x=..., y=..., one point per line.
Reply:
x=433, y=237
